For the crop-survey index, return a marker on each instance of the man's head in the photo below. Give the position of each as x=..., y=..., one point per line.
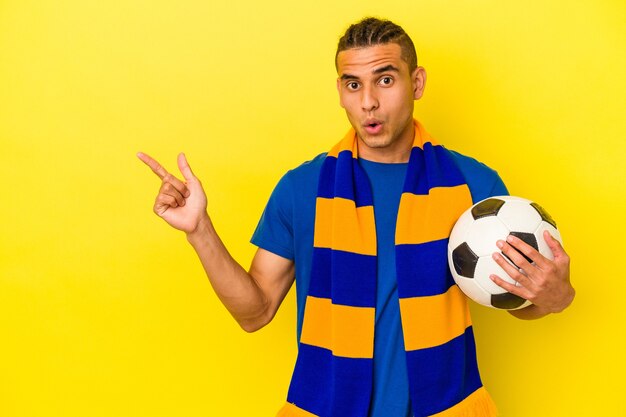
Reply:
x=378, y=81
x=372, y=31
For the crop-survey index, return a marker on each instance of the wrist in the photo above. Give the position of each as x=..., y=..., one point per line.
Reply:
x=567, y=299
x=531, y=312
x=202, y=229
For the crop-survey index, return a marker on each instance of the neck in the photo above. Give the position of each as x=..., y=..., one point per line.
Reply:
x=387, y=157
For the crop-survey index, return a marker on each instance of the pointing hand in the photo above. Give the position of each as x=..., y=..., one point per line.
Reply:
x=181, y=204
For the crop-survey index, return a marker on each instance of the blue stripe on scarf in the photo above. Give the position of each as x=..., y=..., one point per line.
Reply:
x=431, y=369
x=320, y=267
x=314, y=389
x=344, y=264
x=353, y=387
x=326, y=185
x=444, y=171
x=345, y=189
x=361, y=293
x=422, y=262
x=311, y=384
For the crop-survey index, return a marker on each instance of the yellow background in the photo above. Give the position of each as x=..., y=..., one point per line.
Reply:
x=105, y=310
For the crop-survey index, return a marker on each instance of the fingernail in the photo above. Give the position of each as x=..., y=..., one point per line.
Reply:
x=495, y=256
x=187, y=193
x=509, y=238
x=500, y=244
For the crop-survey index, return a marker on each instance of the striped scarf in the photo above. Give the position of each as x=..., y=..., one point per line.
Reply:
x=333, y=371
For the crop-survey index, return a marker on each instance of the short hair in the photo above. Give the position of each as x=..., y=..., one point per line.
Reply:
x=373, y=31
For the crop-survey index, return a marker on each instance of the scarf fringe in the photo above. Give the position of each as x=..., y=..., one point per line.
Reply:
x=477, y=404
x=292, y=410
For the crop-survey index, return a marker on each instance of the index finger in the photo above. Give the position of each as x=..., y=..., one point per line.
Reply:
x=526, y=249
x=153, y=164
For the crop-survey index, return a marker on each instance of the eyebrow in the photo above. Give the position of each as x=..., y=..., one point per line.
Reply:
x=380, y=70
x=386, y=68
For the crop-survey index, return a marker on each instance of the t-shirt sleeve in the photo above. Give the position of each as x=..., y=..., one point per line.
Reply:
x=489, y=184
x=274, y=232
x=483, y=181
x=498, y=187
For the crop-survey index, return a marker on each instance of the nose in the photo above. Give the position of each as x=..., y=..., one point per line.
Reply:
x=369, y=100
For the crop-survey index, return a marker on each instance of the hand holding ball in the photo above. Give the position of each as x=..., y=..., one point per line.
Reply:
x=473, y=241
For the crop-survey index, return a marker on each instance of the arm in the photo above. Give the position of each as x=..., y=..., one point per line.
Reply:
x=547, y=285
x=532, y=312
x=545, y=282
x=251, y=297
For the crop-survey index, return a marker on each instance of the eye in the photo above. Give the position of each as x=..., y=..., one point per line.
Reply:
x=352, y=85
x=386, y=81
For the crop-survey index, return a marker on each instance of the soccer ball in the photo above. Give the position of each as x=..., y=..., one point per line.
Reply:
x=473, y=241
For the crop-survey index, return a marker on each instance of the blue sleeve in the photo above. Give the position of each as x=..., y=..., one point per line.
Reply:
x=274, y=231
x=483, y=181
x=486, y=186
x=498, y=187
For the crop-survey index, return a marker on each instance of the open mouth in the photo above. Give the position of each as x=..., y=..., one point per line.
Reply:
x=373, y=127
x=372, y=122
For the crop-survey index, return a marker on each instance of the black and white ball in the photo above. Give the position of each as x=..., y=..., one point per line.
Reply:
x=473, y=241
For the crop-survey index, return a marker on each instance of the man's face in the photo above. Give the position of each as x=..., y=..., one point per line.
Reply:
x=377, y=91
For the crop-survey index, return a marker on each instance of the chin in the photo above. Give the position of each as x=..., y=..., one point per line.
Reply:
x=375, y=142
x=378, y=142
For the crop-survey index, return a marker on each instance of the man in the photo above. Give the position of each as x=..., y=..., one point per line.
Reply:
x=382, y=329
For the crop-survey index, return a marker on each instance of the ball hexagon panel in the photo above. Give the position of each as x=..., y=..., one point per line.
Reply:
x=483, y=234
x=517, y=216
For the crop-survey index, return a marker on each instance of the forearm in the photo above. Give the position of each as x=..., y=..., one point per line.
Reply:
x=531, y=312
x=534, y=311
x=234, y=286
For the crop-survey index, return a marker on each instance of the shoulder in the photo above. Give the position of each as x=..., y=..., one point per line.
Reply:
x=482, y=180
x=472, y=168
x=304, y=177
x=306, y=170
x=299, y=182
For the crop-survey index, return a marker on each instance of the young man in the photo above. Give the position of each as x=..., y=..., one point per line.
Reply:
x=382, y=329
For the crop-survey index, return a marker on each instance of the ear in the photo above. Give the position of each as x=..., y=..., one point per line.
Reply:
x=418, y=77
x=339, y=91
